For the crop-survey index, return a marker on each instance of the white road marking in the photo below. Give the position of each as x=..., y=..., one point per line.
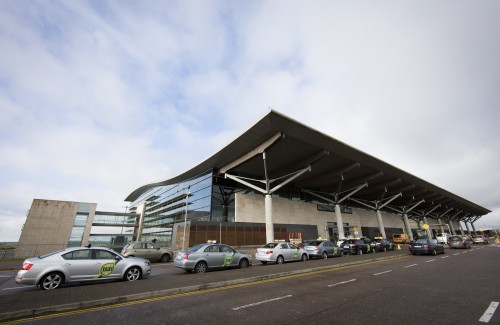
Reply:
x=261, y=302
x=411, y=265
x=430, y=261
x=489, y=312
x=444, y=256
x=382, y=272
x=456, y=254
x=343, y=282
x=14, y=288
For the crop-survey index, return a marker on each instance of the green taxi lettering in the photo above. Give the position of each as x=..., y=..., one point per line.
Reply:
x=295, y=255
x=228, y=259
x=106, y=269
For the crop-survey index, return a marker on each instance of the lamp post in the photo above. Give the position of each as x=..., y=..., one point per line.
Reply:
x=185, y=220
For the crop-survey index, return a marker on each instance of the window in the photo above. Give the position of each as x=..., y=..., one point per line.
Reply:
x=83, y=254
x=104, y=255
x=226, y=249
x=212, y=249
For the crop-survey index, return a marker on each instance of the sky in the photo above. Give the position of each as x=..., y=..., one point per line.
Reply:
x=98, y=98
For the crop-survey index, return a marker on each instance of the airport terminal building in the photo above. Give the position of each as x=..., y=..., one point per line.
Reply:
x=281, y=177
x=278, y=178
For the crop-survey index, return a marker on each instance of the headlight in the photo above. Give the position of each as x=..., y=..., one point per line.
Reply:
x=147, y=263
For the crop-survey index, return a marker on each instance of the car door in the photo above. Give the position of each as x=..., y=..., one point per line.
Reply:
x=230, y=258
x=78, y=265
x=107, y=265
x=285, y=251
x=213, y=256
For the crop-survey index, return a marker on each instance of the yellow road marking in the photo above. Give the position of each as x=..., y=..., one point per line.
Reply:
x=185, y=294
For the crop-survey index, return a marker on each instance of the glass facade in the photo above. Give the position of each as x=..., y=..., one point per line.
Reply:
x=79, y=223
x=166, y=205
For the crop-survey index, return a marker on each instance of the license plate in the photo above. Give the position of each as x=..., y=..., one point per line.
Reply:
x=417, y=246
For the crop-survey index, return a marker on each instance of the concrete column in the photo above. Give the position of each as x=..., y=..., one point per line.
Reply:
x=429, y=233
x=268, y=204
x=381, y=224
x=140, y=210
x=407, y=226
x=452, y=228
x=473, y=227
x=441, y=228
x=340, y=224
x=468, y=228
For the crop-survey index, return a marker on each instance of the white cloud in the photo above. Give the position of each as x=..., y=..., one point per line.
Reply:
x=98, y=99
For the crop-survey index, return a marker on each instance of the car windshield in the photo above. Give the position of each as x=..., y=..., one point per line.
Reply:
x=454, y=238
x=351, y=241
x=270, y=245
x=421, y=241
x=315, y=243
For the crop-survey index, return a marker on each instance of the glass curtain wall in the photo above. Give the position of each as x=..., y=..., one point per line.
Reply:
x=166, y=205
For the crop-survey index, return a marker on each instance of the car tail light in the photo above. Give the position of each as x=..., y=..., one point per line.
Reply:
x=269, y=252
x=316, y=248
x=27, y=266
x=124, y=251
x=186, y=256
x=410, y=246
x=426, y=246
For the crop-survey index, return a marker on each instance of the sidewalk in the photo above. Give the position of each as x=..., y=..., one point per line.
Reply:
x=35, y=303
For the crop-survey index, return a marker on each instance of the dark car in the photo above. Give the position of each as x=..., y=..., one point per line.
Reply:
x=458, y=242
x=323, y=249
x=382, y=245
x=357, y=246
x=426, y=246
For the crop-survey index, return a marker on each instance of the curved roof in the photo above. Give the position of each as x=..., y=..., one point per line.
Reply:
x=336, y=167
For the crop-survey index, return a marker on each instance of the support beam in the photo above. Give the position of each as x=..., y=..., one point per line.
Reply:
x=340, y=224
x=407, y=226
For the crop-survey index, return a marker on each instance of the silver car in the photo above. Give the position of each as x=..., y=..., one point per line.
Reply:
x=280, y=252
x=203, y=257
x=149, y=250
x=80, y=264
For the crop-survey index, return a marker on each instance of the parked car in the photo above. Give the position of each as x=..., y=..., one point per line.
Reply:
x=323, y=249
x=400, y=238
x=382, y=245
x=442, y=237
x=149, y=250
x=357, y=246
x=426, y=246
x=203, y=257
x=279, y=253
x=480, y=239
x=80, y=264
x=458, y=242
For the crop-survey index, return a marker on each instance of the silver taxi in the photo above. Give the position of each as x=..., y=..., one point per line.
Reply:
x=80, y=264
x=280, y=252
x=203, y=257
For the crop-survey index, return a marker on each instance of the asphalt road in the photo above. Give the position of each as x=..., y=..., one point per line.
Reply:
x=455, y=288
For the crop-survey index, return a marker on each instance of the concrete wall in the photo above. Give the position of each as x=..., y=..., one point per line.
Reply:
x=48, y=227
x=250, y=208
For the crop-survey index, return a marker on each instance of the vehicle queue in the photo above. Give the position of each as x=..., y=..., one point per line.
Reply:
x=94, y=264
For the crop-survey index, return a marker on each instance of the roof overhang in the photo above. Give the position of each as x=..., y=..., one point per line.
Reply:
x=336, y=167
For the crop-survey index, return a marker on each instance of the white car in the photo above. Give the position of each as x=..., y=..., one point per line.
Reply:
x=442, y=237
x=279, y=253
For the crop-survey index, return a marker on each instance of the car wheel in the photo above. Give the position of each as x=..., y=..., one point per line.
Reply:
x=304, y=257
x=165, y=258
x=325, y=255
x=280, y=260
x=201, y=267
x=360, y=251
x=243, y=263
x=51, y=281
x=132, y=274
